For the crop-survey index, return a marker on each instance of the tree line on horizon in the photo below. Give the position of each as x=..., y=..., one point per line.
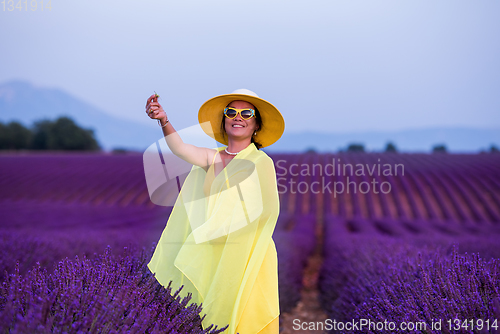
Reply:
x=64, y=134
x=391, y=148
x=60, y=134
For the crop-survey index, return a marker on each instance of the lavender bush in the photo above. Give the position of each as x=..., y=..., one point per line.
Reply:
x=24, y=248
x=410, y=279
x=463, y=287
x=108, y=294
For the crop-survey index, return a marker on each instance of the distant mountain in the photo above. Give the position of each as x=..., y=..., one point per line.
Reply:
x=26, y=103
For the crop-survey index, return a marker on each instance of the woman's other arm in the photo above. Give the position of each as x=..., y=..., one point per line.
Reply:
x=199, y=156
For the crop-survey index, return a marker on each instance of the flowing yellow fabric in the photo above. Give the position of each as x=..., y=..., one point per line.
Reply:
x=218, y=244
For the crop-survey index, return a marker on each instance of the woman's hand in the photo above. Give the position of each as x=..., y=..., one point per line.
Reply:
x=195, y=155
x=154, y=109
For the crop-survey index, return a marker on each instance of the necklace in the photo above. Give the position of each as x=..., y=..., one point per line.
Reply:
x=230, y=153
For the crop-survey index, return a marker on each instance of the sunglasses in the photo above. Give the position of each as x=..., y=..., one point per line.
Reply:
x=244, y=113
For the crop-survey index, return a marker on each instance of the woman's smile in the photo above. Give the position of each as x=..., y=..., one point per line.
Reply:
x=239, y=129
x=237, y=126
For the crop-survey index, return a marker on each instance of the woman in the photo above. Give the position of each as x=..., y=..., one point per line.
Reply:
x=218, y=239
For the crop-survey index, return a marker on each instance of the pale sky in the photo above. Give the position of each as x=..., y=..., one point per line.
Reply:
x=329, y=66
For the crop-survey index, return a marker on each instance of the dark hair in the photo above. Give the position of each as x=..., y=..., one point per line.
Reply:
x=258, y=120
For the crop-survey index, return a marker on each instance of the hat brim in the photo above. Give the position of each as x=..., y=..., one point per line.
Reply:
x=273, y=124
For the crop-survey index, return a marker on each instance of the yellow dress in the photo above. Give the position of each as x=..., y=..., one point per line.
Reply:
x=218, y=244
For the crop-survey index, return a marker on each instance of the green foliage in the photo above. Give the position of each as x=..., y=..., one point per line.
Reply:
x=311, y=150
x=355, y=148
x=390, y=148
x=439, y=149
x=61, y=134
x=14, y=136
x=119, y=150
x=494, y=149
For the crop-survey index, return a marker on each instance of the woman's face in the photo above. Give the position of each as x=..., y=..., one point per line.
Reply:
x=238, y=128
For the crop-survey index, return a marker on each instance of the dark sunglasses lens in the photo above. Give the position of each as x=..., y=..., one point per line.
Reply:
x=246, y=114
x=231, y=113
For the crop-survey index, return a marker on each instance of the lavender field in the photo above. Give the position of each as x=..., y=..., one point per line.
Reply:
x=403, y=238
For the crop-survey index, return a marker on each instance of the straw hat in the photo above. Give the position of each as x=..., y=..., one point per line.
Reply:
x=273, y=124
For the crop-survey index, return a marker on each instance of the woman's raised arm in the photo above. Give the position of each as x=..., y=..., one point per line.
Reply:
x=199, y=156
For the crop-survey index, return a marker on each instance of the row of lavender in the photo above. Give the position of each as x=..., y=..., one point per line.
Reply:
x=429, y=283
x=458, y=188
x=91, y=179
x=353, y=276
x=463, y=189
x=423, y=258
x=296, y=231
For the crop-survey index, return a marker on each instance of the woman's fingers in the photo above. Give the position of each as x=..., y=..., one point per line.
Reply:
x=153, y=104
x=153, y=108
x=153, y=98
x=150, y=99
x=156, y=114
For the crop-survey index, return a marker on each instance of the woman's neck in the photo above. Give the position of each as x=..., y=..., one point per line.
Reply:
x=237, y=146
